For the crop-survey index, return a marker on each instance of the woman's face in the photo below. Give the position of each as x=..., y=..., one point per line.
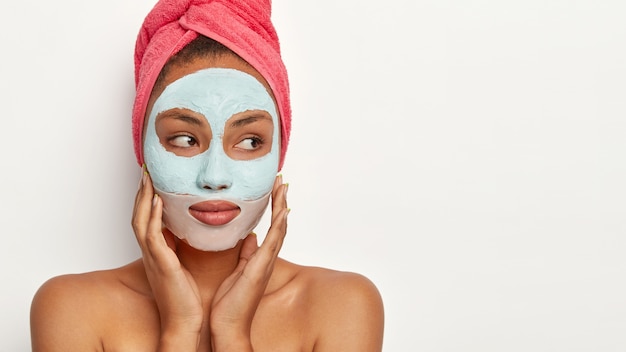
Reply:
x=212, y=149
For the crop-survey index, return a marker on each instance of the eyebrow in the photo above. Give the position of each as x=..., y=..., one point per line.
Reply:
x=181, y=116
x=250, y=119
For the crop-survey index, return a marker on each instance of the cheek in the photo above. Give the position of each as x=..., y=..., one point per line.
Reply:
x=255, y=178
x=170, y=173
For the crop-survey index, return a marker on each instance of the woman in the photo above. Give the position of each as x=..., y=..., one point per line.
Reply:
x=211, y=125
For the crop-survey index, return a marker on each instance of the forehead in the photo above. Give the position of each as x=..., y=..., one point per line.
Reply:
x=218, y=94
x=179, y=70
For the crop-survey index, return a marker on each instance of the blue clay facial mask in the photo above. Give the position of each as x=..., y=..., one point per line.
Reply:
x=211, y=181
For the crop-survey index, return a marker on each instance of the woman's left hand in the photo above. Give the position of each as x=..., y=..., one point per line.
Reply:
x=238, y=297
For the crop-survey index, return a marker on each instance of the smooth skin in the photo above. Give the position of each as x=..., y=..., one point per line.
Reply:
x=177, y=298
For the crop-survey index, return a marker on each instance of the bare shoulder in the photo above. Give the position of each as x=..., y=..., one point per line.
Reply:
x=68, y=312
x=330, y=287
x=346, y=308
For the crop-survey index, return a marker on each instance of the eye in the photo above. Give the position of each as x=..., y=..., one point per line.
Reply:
x=183, y=141
x=252, y=143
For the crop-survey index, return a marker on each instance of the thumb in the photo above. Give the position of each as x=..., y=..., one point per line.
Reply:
x=249, y=246
x=170, y=238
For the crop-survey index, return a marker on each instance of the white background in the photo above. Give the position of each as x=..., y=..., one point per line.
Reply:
x=468, y=156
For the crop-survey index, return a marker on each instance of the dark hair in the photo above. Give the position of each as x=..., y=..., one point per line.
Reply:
x=201, y=47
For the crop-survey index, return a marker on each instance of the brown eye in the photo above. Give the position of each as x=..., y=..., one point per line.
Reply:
x=183, y=141
x=252, y=143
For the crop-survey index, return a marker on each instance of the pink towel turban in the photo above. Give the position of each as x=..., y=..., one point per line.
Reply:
x=243, y=26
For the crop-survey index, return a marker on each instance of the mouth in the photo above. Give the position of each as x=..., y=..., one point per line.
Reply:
x=214, y=213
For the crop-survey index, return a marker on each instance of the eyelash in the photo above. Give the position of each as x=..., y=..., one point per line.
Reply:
x=257, y=140
x=192, y=141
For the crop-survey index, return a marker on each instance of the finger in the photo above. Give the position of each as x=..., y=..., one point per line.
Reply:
x=139, y=188
x=155, y=240
x=159, y=246
x=268, y=252
x=276, y=233
x=143, y=208
x=170, y=238
x=142, y=182
x=285, y=189
x=278, y=226
x=249, y=247
x=279, y=200
x=275, y=189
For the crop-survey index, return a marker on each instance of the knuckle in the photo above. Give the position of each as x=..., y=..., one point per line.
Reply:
x=135, y=225
x=151, y=242
x=273, y=246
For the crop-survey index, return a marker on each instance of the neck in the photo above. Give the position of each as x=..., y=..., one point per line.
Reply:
x=209, y=269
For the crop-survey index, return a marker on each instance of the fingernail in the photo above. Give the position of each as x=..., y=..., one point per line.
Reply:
x=280, y=178
x=145, y=168
x=144, y=178
x=154, y=199
x=287, y=213
x=285, y=189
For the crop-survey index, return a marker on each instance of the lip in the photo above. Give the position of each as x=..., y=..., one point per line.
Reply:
x=214, y=213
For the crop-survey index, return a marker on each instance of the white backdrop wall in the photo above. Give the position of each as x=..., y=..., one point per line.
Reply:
x=468, y=156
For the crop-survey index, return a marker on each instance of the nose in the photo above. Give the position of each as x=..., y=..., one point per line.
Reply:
x=215, y=175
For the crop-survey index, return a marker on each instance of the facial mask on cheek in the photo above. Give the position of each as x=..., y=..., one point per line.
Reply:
x=211, y=185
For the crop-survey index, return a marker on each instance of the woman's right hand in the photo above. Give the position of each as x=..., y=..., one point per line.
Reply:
x=175, y=291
